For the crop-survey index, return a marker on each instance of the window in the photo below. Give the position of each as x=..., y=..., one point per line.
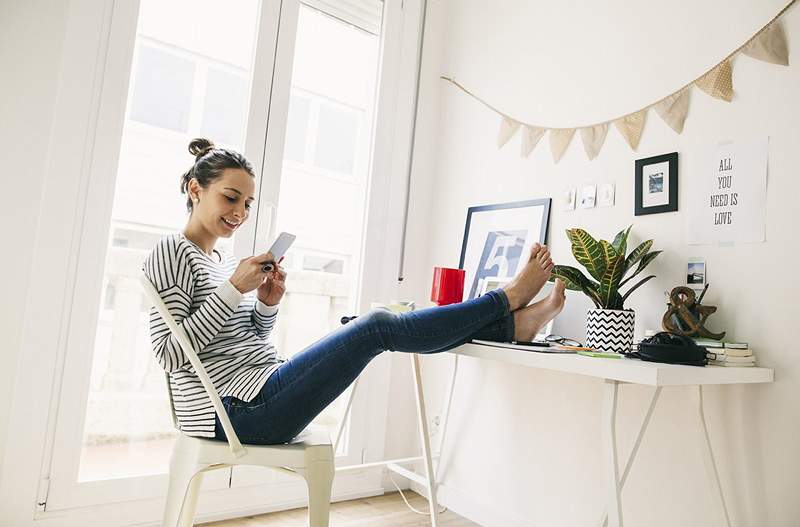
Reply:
x=225, y=107
x=325, y=264
x=321, y=135
x=297, y=128
x=337, y=133
x=162, y=93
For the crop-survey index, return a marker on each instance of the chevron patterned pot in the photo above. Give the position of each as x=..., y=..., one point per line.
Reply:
x=610, y=330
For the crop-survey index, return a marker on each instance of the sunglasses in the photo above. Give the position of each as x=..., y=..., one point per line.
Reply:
x=558, y=339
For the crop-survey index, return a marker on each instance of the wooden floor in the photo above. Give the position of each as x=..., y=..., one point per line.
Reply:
x=383, y=511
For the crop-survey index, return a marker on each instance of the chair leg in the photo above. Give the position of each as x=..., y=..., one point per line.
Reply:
x=319, y=479
x=185, y=480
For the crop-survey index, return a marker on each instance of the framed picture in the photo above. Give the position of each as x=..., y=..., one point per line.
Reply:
x=588, y=196
x=498, y=238
x=492, y=282
x=605, y=195
x=696, y=273
x=568, y=199
x=656, y=184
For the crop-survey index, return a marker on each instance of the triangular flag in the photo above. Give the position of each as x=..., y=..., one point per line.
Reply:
x=559, y=141
x=593, y=139
x=631, y=127
x=770, y=46
x=717, y=82
x=508, y=127
x=673, y=109
x=530, y=138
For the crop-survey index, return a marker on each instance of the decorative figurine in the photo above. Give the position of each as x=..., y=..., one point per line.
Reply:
x=686, y=316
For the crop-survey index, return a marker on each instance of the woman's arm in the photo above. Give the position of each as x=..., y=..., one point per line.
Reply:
x=168, y=269
x=263, y=318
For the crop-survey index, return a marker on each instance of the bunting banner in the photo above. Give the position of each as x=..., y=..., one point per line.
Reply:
x=767, y=45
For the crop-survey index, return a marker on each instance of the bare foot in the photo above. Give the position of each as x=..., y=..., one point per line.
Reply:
x=528, y=321
x=521, y=290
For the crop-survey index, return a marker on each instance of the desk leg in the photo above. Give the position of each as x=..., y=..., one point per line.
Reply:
x=610, y=392
x=635, y=449
x=708, y=460
x=425, y=440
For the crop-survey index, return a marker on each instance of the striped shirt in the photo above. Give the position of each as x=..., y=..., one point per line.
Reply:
x=228, y=330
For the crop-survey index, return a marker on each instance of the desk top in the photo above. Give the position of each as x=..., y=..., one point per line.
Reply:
x=625, y=370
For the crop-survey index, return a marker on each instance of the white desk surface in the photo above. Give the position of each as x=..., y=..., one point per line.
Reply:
x=624, y=370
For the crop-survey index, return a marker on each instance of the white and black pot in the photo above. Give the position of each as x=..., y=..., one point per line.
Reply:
x=610, y=330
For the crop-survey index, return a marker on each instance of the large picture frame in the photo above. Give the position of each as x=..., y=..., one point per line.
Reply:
x=498, y=238
x=656, y=184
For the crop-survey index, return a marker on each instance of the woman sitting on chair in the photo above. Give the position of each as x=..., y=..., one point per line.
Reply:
x=270, y=400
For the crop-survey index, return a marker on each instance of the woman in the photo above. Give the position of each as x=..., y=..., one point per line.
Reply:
x=269, y=399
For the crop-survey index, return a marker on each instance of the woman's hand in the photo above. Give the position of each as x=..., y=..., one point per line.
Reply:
x=273, y=287
x=248, y=274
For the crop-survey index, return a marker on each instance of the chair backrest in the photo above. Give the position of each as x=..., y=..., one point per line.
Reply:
x=183, y=340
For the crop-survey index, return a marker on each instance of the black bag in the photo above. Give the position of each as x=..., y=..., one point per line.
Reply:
x=672, y=349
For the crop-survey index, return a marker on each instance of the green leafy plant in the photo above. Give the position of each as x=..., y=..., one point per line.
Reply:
x=606, y=263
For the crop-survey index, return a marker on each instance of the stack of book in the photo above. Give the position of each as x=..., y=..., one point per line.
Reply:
x=722, y=353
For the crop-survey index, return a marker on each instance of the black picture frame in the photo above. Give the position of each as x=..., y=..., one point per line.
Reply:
x=488, y=223
x=640, y=206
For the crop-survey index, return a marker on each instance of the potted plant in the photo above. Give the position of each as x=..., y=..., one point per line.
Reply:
x=609, y=327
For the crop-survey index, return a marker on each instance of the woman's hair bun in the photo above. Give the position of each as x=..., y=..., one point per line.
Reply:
x=200, y=146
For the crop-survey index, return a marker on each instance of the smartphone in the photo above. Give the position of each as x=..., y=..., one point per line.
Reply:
x=278, y=249
x=536, y=343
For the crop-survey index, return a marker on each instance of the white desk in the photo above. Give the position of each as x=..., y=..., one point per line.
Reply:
x=613, y=372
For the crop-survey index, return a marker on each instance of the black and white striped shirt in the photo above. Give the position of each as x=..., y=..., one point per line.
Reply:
x=229, y=330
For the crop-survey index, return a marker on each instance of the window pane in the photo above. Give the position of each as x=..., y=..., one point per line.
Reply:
x=324, y=264
x=336, y=139
x=297, y=128
x=332, y=98
x=225, y=111
x=128, y=427
x=162, y=93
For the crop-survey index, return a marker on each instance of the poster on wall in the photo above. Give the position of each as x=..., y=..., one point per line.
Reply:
x=728, y=194
x=497, y=240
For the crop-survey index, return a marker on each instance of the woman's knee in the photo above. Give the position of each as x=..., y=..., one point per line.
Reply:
x=376, y=321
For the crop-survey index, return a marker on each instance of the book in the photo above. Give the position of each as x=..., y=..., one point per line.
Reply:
x=736, y=345
x=722, y=358
x=731, y=364
x=729, y=354
x=709, y=343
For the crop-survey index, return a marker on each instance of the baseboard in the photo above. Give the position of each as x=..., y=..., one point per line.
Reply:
x=283, y=506
x=475, y=510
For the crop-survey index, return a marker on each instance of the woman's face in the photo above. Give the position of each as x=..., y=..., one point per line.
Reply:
x=225, y=205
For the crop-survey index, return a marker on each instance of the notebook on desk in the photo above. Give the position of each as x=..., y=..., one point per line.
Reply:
x=531, y=346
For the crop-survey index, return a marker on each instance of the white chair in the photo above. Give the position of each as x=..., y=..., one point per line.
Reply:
x=309, y=455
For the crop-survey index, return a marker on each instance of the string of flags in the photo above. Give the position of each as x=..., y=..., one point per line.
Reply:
x=768, y=45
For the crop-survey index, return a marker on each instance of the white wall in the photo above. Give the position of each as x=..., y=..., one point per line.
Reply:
x=524, y=444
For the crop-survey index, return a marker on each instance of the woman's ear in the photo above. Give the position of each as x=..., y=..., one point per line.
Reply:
x=194, y=190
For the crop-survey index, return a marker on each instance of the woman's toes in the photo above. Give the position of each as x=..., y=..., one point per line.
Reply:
x=558, y=291
x=535, y=251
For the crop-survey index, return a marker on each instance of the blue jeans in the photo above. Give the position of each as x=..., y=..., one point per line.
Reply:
x=307, y=383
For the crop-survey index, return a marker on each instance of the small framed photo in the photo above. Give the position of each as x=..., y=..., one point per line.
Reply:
x=568, y=199
x=605, y=195
x=656, y=184
x=696, y=273
x=497, y=241
x=588, y=196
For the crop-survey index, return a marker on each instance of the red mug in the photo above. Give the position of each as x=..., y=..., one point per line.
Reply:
x=448, y=285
